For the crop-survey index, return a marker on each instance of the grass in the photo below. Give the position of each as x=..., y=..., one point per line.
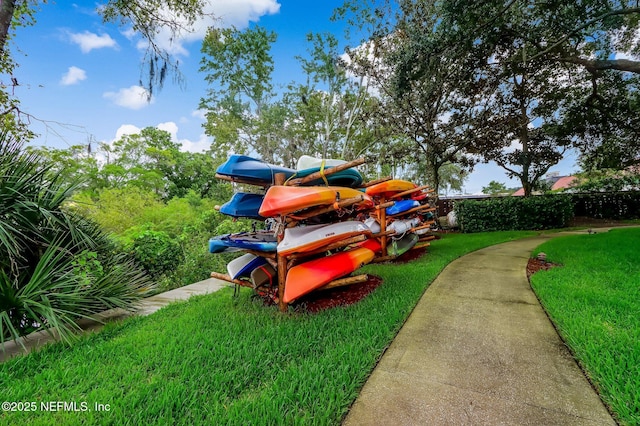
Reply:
x=594, y=301
x=219, y=360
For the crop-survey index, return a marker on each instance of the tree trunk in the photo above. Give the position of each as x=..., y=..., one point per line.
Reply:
x=7, y=7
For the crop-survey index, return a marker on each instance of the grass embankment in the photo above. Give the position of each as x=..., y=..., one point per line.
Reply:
x=215, y=360
x=594, y=301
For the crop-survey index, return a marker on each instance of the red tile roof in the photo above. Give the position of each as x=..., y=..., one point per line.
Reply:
x=560, y=183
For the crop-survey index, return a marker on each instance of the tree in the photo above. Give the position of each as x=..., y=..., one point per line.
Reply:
x=148, y=160
x=605, y=121
x=422, y=114
x=539, y=50
x=239, y=67
x=147, y=18
x=332, y=103
x=494, y=188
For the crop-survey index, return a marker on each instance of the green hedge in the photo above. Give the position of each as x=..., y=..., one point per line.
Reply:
x=514, y=213
x=608, y=205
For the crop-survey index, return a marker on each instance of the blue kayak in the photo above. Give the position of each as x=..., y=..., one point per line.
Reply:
x=258, y=241
x=244, y=265
x=402, y=206
x=252, y=170
x=243, y=204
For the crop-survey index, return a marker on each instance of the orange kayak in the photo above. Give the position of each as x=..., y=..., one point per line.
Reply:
x=390, y=187
x=289, y=199
x=309, y=276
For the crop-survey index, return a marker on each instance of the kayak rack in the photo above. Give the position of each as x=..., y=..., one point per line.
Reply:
x=282, y=264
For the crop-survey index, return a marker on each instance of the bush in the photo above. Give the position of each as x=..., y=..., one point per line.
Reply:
x=156, y=252
x=514, y=213
x=55, y=266
x=607, y=205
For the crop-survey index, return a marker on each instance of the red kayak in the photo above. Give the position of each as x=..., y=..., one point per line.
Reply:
x=306, y=277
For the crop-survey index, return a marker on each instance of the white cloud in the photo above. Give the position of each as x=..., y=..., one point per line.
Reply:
x=126, y=129
x=202, y=144
x=89, y=41
x=171, y=128
x=239, y=13
x=222, y=13
x=74, y=75
x=134, y=97
x=200, y=114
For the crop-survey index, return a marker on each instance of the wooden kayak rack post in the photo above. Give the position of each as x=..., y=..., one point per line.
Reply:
x=227, y=278
x=283, y=263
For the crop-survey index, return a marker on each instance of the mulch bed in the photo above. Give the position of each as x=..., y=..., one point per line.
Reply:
x=534, y=265
x=350, y=294
x=338, y=296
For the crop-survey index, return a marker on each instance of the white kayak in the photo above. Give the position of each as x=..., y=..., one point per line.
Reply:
x=373, y=225
x=302, y=239
x=308, y=162
x=402, y=226
x=243, y=265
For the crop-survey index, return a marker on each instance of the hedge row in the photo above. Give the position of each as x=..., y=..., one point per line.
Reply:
x=544, y=211
x=514, y=213
x=608, y=205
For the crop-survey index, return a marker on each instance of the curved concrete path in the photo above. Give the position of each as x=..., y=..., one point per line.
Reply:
x=478, y=349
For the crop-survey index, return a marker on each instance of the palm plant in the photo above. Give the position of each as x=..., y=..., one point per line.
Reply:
x=55, y=266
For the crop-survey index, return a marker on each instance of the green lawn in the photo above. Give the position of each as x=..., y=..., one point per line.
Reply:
x=594, y=300
x=216, y=360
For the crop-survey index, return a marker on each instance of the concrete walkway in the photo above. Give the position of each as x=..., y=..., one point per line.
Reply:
x=479, y=350
x=146, y=307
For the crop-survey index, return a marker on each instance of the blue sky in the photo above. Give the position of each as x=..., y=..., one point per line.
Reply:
x=79, y=77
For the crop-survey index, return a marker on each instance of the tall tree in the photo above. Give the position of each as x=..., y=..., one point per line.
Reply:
x=239, y=66
x=333, y=101
x=530, y=54
x=426, y=108
x=605, y=120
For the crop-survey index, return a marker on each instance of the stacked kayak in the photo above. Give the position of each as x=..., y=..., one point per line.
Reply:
x=321, y=224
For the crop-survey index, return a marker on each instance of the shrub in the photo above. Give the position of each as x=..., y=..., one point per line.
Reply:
x=514, y=213
x=608, y=205
x=55, y=266
x=156, y=252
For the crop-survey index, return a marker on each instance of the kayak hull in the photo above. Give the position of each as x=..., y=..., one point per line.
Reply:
x=401, y=206
x=403, y=245
x=244, y=265
x=264, y=276
x=243, y=204
x=306, y=277
x=258, y=241
x=349, y=177
x=401, y=226
x=390, y=187
x=307, y=162
x=252, y=169
x=310, y=238
x=282, y=200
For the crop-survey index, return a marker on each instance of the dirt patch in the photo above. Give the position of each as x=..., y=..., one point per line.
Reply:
x=534, y=265
x=339, y=296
